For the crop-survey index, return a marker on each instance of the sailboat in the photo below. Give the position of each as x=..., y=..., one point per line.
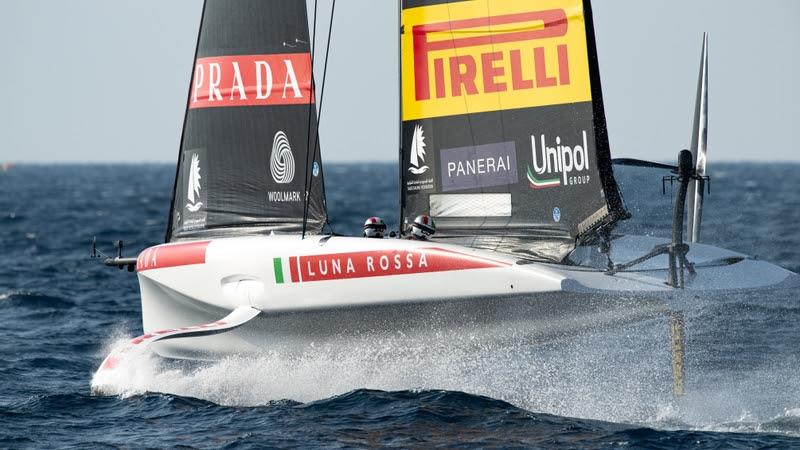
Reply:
x=503, y=143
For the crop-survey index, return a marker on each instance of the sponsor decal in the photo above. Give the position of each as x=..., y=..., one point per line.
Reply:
x=378, y=263
x=281, y=167
x=478, y=166
x=418, y=152
x=420, y=185
x=558, y=164
x=556, y=214
x=172, y=255
x=501, y=55
x=193, y=215
x=281, y=160
x=193, y=189
x=285, y=196
x=251, y=80
x=418, y=181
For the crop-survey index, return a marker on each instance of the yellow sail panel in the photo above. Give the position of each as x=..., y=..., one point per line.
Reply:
x=489, y=55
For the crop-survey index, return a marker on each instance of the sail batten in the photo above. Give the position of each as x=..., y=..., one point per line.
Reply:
x=507, y=97
x=247, y=129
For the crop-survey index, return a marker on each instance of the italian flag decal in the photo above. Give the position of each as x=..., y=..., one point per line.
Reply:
x=541, y=184
x=285, y=270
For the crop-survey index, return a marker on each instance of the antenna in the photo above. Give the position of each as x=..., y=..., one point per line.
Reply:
x=699, y=146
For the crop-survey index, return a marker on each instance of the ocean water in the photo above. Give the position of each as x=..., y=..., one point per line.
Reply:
x=61, y=313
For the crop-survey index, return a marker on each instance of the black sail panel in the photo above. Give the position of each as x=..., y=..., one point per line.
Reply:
x=504, y=136
x=245, y=153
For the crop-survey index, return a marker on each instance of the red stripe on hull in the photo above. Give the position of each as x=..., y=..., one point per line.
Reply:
x=343, y=266
x=293, y=269
x=172, y=255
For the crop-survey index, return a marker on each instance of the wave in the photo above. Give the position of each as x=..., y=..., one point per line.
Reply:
x=34, y=300
x=369, y=418
x=360, y=418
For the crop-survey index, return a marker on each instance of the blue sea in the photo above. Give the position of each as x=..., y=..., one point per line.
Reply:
x=61, y=313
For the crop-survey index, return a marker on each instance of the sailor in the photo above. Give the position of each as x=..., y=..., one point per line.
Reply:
x=422, y=228
x=374, y=227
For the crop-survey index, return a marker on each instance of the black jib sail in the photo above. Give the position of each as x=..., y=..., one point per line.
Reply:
x=504, y=134
x=244, y=156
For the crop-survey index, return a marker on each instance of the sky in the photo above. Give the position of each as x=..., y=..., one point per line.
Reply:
x=106, y=80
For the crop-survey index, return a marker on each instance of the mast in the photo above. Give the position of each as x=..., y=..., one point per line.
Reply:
x=313, y=48
x=183, y=128
x=616, y=205
x=400, y=110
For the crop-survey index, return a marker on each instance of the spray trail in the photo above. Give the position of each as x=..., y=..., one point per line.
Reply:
x=621, y=375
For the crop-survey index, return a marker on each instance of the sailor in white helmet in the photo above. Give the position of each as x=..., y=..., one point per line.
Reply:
x=374, y=227
x=422, y=228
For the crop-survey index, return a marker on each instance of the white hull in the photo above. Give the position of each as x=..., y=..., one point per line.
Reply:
x=318, y=289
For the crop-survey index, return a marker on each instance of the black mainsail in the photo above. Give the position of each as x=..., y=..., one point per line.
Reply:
x=504, y=134
x=244, y=155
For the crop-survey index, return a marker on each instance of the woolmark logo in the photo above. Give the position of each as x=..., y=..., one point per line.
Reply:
x=193, y=188
x=555, y=166
x=281, y=161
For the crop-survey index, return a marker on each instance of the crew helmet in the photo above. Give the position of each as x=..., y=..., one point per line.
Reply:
x=423, y=227
x=374, y=227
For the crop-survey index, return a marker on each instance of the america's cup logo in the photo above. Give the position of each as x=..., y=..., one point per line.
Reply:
x=193, y=189
x=418, y=152
x=281, y=161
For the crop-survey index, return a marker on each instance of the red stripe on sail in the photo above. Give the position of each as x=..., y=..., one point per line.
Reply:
x=172, y=255
x=251, y=80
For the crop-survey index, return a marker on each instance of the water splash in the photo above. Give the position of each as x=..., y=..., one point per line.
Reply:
x=622, y=376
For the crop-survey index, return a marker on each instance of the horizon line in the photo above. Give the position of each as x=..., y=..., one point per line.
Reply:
x=344, y=161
